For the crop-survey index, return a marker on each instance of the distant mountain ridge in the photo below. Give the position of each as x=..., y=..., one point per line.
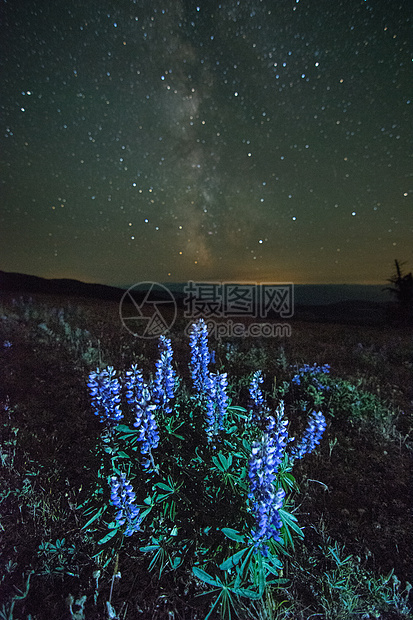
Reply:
x=22, y=283
x=320, y=294
x=361, y=304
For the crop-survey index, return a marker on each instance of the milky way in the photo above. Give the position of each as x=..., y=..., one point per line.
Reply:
x=239, y=141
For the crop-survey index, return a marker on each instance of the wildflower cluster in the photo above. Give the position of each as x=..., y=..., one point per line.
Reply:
x=105, y=396
x=312, y=373
x=266, y=456
x=142, y=404
x=211, y=387
x=134, y=385
x=164, y=384
x=217, y=402
x=201, y=356
x=242, y=475
x=312, y=436
x=146, y=424
x=123, y=497
x=258, y=404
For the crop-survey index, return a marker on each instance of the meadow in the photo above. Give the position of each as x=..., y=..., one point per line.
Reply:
x=184, y=540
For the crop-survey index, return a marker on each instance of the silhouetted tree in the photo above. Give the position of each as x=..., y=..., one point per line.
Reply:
x=402, y=289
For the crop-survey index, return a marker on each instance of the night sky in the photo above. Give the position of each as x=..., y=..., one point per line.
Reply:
x=262, y=141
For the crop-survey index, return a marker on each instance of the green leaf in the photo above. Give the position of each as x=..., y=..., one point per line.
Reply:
x=224, y=461
x=203, y=576
x=149, y=548
x=290, y=523
x=216, y=462
x=164, y=487
x=122, y=428
x=160, y=498
x=273, y=564
x=289, y=519
x=243, y=569
x=237, y=409
x=95, y=516
x=176, y=562
x=145, y=513
x=261, y=575
x=108, y=536
x=248, y=593
x=233, y=534
x=232, y=560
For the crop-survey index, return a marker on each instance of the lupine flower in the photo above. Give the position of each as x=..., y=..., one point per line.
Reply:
x=259, y=409
x=147, y=426
x=312, y=436
x=7, y=344
x=312, y=371
x=123, y=497
x=164, y=383
x=281, y=431
x=200, y=356
x=266, y=500
x=134, y=385
x=216, y=402
x=255, y=390
x=105, y=393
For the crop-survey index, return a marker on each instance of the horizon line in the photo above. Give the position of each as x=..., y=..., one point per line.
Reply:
x=203, y=281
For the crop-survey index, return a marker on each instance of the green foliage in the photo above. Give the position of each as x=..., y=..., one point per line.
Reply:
x=359, y=408
x=57, y=558
x=7, y=609
x=194, y=544
x=195, y=512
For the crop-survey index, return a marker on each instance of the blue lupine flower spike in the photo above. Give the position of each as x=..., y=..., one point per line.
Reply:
x=123, y=497
x=105, y=396
x=312, y=372
x=164, y=384
x=147, y=426
x=259, y=409
x=216, y=403
x=265, y=459
x=201, y=357
x=134, y=385
x=312, y=436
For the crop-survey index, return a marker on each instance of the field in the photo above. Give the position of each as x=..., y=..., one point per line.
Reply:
x=352, y=499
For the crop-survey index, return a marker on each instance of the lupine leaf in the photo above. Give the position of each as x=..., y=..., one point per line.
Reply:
x=243, y=569
x=149, y=548
x=248, y=593
x=123, y=455
x=232, y=560
x=233, y=534
x=226, y=463
x=201, y=574
x=95, y=516
x=108, y=536
x=237, y=409
x=164, y=487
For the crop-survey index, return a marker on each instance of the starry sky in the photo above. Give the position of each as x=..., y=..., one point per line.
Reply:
x=241, y=141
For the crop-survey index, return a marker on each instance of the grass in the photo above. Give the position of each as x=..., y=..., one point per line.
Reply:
x=355, y=494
